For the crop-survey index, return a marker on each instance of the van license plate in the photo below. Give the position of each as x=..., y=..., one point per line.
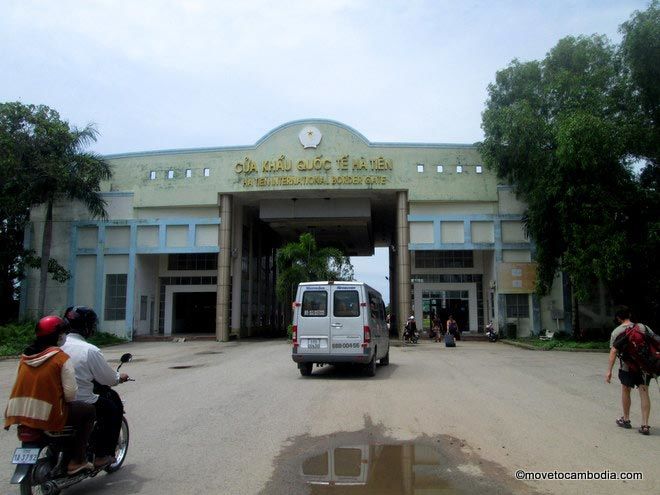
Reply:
x=25, y=456
x=314, y=343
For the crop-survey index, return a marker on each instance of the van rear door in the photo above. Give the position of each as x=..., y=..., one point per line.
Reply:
x=346, y=320
x=314, y=319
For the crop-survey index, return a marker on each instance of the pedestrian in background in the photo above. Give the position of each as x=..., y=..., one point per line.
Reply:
x=452, y=327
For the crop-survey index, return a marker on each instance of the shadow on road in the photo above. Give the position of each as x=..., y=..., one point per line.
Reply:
x=350, y=372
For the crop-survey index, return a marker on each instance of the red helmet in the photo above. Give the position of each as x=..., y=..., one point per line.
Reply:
x=49, y=325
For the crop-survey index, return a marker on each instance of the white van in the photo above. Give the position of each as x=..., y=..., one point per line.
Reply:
x=339, y=322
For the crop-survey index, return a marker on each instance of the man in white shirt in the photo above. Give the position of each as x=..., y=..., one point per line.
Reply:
x=90, y=365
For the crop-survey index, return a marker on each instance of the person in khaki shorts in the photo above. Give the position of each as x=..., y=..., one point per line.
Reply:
x=629, y=378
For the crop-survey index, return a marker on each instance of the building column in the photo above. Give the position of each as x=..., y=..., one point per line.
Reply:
x=392, y=271
x=403, y=260
x=251, y=264
x=224, y=269
x=130, y=283
x=536, y=315
x=236, y=269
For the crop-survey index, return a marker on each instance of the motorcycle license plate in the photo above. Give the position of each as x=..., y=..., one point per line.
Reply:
x=25, y=456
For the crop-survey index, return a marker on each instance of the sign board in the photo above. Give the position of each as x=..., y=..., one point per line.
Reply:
x=516, y=278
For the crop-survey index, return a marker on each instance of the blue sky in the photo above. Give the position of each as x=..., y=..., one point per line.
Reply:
x=194, y=73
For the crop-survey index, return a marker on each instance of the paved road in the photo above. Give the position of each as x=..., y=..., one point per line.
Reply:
x=241, y=420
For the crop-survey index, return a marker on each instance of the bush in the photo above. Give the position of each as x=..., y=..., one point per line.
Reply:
x=289, y=332
x=100, y=339
x=564, y=343
x=595, y=334
x=15, y=337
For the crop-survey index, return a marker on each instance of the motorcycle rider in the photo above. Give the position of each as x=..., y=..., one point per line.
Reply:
x=410, y=329
x=89, y=365
x=44, y=393
x=490, y=332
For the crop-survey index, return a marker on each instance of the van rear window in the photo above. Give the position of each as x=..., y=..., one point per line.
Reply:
x=315, y=303
x=346, y=303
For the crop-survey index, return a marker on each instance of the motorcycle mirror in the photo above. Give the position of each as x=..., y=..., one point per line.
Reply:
x=126, y=357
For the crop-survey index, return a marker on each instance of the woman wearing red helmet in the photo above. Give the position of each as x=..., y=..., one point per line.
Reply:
x=44, y=392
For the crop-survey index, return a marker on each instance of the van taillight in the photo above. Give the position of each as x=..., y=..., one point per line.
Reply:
x=294, y=335
x=28, y=434
x=367, y=336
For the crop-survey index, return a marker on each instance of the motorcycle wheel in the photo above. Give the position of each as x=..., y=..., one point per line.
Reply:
x=30, y=485
x=122, y=448
x=29, y=488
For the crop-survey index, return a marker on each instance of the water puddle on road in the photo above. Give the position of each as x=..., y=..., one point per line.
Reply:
x=366, y=463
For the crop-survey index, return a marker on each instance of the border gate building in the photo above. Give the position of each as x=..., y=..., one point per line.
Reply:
x=190, y=240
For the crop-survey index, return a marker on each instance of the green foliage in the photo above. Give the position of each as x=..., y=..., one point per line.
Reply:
x=563, y=132
x=42, y=160
x=640, y=48
x=563, y=344
x=304, y=261
x=101, y=339
x=15, y=337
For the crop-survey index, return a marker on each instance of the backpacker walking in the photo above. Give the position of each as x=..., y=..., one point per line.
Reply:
x=637, y=348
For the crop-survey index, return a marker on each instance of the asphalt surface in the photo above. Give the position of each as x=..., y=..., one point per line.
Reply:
x=237, y=418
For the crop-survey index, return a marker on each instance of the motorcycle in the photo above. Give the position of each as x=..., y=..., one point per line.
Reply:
x=410, y=336
x=41, y=460
x=491, y=333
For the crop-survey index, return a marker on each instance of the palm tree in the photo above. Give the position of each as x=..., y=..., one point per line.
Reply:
x=304, y=261
x=57, y=168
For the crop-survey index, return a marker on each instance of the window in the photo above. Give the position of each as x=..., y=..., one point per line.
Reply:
x=480, y=169
x=440, y=169
x=152, y=175
x=459, y=169
x=374, y=306
x=444, y=259
x=348, y=462
x=420, y=168
x=170, y=174
x=517, y=305
x=115, y=296
x=201, y=261
x=188, y=173
x=346, y=303
x=315, y=303
x=207, y=172
x=143, y=308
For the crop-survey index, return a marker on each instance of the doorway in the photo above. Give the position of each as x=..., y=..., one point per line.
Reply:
x=443, y=303
x=193, y=312
x=190, y=309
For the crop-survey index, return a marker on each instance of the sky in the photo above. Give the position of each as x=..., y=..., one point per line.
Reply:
x=158, y=74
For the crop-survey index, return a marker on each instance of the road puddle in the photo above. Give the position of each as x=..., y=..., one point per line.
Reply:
x=367, y=463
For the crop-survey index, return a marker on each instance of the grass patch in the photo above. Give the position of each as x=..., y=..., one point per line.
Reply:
x=15, y=337
x=100, y=339
x=562, y=344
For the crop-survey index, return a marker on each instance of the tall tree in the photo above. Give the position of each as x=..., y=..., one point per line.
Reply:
x=44, y=161
x=564, y=131
x=304, y=261
x=640, y=51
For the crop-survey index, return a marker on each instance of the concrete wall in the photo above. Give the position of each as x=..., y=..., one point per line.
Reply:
x=85, y=288
x=146, y=284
